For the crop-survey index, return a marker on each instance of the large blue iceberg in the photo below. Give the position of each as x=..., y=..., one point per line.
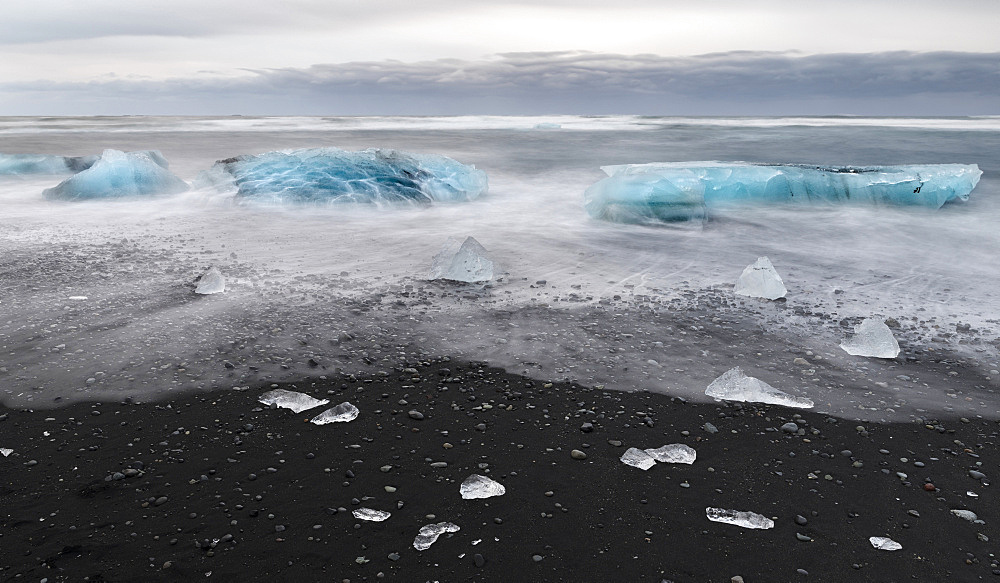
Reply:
x=19, y=164
x=332, y=175
x=119, y=175
x=678, y=191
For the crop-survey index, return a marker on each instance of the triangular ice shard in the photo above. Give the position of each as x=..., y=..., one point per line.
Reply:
x=465, y=261
x=211, y=282
x=739, y=518
x=6, y=452
x=638, y=459
x=340, y=414
x=675, y=453
x=476, y=486
x=429, y=534
x=297, y=402
x=872, y=338
x=733, y=385
x=760, y=280
x=884, y=544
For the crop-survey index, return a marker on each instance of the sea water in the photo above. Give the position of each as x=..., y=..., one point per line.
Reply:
x=312, y=291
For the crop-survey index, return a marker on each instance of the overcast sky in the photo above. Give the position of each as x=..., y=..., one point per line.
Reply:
x=660, y=57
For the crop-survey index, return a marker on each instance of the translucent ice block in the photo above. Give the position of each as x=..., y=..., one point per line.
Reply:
x=476, y=486
x=872, y=338
x=119, y=175
x=739, y=518
x=675, y=453
x=733, y=385
x=466, y=261
x=371, y=515
x=17, y=164
x=342, y=413
x=211, y=282
x=760, y=280
x=5, y=451
x=297, y=402
x=884, y=544
x=429, y=534
x=637, y=458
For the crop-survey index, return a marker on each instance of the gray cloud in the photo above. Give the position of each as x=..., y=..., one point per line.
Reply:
x=732, y=83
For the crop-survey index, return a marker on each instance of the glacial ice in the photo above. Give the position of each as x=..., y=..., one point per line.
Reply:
x=211, y=282
x=429, y=534
x=680, y=191
x=760, y=280
x=18, y=164
x=6, y=452
x=739, y=518
x=675, y=453
x=733, y=385
x=637, y=458
x=872, y=338
x=466, y=261
x=297, y=402
x=332, y=175
x=476, y=486
x=342, y=413
x=884, y=544
x=371, y=515
x=120, y=174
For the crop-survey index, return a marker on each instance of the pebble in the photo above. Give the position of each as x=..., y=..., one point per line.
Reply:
x=537, y=558
x=414, y=414
x=976, y=474
x=480, y=560
x=710, y=428
x=578, y=455
x=789, y=427
x=801, y=520
x=587, y=427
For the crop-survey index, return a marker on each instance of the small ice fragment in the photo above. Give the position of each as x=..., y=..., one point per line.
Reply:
x=476, y=486
x=477, y=541
x=966, y=514
x=872, y=338
x=739, y=518
x=211, y=282
x=465, y=261
x=548, y=126
x=884, y=544
x=341, y=413
x=733, y=385
x=77, y=298
x=297, y=402
x=760, y=280
x=638, y=459
x=972, y=494
x=371, y=515
x=430, y=533
x=6, y=452
x=675, y=453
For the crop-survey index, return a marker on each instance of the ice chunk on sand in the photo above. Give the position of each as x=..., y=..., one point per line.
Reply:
x=118, y=175
x=6, y=452
x=739, y=518
x=429, y=534
x=297, y=402
x=733, y=385
x=966, y=514
x=675, y=453
x=639, y=193
x=637, y=458
x=340, y=414
x=872, y=338
x=371, y=515
x=211, y=282
x=476, y=486
x=884, y=544
x=332, y=175
x=17, y=164
x=760, y=280
x=466, y=261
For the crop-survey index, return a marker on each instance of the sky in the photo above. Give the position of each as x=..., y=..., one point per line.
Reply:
x=432, y=57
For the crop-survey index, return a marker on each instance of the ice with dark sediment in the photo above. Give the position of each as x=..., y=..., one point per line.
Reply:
x=371, y=515
x=464, y=261
x=211, y=282
x=297, y=402
x=120, y=175
x=342, y=413
x=760, y=280
x=884, y=543
x=674, y=453
x=872, y=338
x=637, y=458
x=429, y=534
x=734, y=385
x=681, y=191
x=476, y=486
x=23, y=164
x=332, y=175
x=739, y=518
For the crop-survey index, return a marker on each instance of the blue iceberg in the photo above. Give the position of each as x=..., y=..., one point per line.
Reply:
x=19, y=164
x=332, y=175
x=118, y=175
x=663, y=192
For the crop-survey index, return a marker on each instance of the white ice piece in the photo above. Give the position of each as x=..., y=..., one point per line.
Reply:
x=739, y=518
x=476, y=486
x=429, y=534
x=6, y=452
x=872, y=338
x=884, y=544
x=211, y=282
x=371, y=515
x=638, y=458
x=760, y=280
x=340, y=414
x=466, y=261
x=77, y=298
x=966, y=514
x=297, y=402
x=675, y=453
x=733, y=385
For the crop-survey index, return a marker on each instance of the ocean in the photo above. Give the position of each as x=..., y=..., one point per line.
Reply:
x=630, y=307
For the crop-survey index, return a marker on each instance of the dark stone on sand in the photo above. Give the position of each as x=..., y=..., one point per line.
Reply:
x=479, y=560
x=414, y=414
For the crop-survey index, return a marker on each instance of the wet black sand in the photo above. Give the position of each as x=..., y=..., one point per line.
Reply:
x=230, y=490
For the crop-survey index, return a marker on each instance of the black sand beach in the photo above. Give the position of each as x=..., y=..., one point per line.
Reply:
x=215, y=486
